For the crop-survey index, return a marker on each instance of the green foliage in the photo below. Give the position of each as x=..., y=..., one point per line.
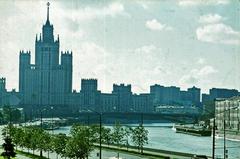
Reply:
x=78, y=145
x=10, y=114
x=80, y=142
x=118, y=134
x=8, y=148
x=106, y=135
x=127, y=134
x=59, y=143
x=139, y=136
x=17, y=135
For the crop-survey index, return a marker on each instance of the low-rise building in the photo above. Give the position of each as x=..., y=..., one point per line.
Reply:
x=228, y=111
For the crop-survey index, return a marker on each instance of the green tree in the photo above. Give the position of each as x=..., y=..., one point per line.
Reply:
x=59, y=144
x=127, y=134
x=8, y=147
x=26, y=139
x=94, y=134
x=106, y=135
x=42, y=139
x=17, y=136
x=78, y=146
x=11, y=114
x=118, y=134
x=140, y=137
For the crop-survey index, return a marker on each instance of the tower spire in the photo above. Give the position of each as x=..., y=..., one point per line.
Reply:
x=48, y=4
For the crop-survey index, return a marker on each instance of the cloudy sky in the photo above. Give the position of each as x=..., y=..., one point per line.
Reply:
x=138, y=42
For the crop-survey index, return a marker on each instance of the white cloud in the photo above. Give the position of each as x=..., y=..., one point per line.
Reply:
x=218, y=33
x=189, y=3
x=206, y=70
x=197, y=75
x=210, y=18
x=89, y=13
x=156, y=25
x=201, y=60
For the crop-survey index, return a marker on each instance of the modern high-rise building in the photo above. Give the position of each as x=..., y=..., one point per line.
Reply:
x=48, y=81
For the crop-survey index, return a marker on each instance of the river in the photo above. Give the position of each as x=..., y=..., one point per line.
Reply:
x=161, y=136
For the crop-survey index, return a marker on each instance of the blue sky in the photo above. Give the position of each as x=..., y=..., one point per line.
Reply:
x=168, y=42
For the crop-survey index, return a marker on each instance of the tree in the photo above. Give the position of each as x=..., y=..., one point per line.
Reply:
x=26, y=138
x=11, y=114
x=78, y=145
x=140, y=137
x=47, y=142
x=59, y=144
x=94, y=134
x=118, y=134
x=43, y=140
x=8, y=148
x=106, y=135
x=17, y=136
x=127, y=134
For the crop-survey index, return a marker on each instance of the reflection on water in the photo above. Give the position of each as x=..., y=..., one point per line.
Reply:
x=162, y=136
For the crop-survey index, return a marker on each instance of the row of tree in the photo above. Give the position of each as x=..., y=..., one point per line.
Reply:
x=79, y=143
x=9, y=114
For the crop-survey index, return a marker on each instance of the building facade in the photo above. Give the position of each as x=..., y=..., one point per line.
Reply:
x=48, y=81
x=124, y=97
x=228, y=111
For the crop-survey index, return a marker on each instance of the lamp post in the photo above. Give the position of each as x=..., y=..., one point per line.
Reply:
x=213, y=142
x=52, y=119
x=100, y=132
x=41, y=124
x=141, y=129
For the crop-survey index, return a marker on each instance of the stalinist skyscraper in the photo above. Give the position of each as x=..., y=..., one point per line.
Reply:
x=48, y=81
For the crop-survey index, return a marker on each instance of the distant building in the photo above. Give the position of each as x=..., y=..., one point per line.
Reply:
x=165, y=95
x=174, y=96
x=109, y=102
x=228, y=110
x=195, y=94
x=11, y=98
x=214, y=93
x=48, y=81
x=142, y=103
x=3, y=91
x=124, y=97
x=90, y=94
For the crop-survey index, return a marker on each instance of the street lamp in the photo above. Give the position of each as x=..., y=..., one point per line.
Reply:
x=100, y=132
x=52, y=118
x=41, y=111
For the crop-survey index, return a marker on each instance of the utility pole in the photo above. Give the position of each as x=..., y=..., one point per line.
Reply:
x=213, y=142
x=224, y=135
x=52, y=118
x=142, y=130
x=41, y=129
x=100, y=117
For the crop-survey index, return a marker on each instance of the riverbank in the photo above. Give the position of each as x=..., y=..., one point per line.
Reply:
x=149, y=152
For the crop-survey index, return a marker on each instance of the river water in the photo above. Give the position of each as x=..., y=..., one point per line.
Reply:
x=162, y=136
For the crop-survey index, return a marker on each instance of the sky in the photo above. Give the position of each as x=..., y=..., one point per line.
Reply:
x=180, y=43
